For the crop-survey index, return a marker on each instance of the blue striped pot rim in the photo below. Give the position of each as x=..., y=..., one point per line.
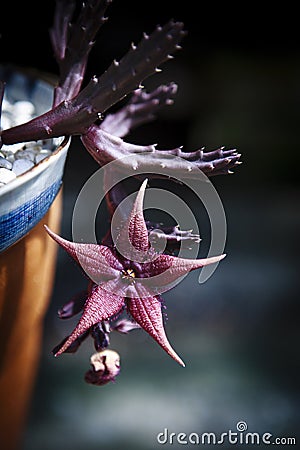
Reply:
x=25, y=200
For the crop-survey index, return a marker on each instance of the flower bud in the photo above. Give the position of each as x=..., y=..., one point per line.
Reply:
x=105, y=367
x=124, y=326
x=74, y=306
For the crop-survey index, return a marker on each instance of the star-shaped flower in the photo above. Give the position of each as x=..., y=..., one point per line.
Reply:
x=129, y=274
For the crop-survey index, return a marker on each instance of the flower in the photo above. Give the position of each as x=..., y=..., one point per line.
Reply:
x=128, y=274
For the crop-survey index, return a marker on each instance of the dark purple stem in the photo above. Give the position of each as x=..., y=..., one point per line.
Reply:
x=140, y=62
x=149, y=159
x=75, y=116
x=63, y=13
x=141, y=108
x=72, y=43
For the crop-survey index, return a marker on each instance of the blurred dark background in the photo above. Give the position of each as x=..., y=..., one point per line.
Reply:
x=238, y=75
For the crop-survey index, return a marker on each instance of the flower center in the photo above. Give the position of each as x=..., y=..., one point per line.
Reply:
x=128, y=274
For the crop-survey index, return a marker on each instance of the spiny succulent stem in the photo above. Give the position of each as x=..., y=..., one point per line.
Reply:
x=106, y=148
x=76, y=115
x=72, y=42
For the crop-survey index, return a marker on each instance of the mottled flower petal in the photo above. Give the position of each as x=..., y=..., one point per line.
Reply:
x=74, y=346
x=146, y=311
x=101, y=305
x=166, y=269
x=132, y=240
x=97, y=261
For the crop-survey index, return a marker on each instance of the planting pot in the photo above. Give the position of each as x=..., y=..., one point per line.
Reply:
x=27, y=262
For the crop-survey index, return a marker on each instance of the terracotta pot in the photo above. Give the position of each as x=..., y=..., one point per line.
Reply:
x=27, y=271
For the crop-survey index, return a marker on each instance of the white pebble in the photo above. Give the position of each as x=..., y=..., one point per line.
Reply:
x=13, y=148
x=5, y=163
x=48, y=144
x=21, y=165
x=6, y=121
x=6, y=175
x=18, y=158
x=45, y=151
x=10, y=156
x=23, y=108
x=33, y=146
x=25, y=154
x=42, y=156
